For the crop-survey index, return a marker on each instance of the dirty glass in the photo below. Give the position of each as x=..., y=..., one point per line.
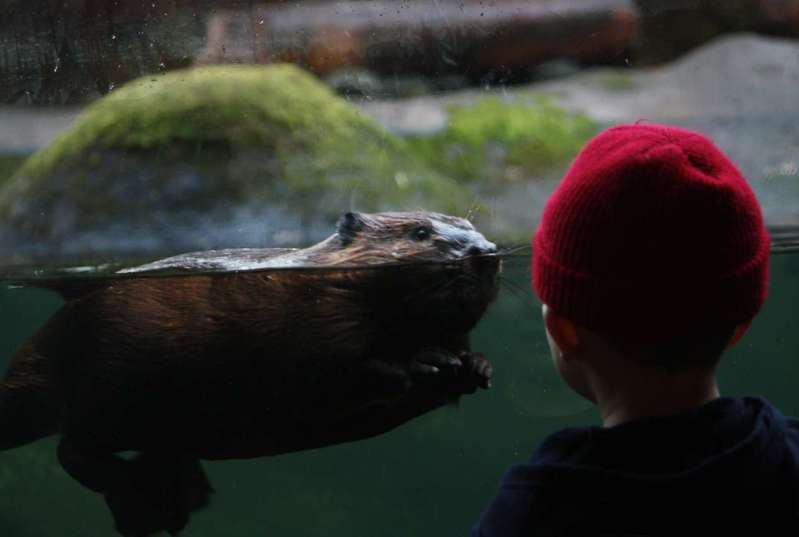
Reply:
x=137, y=131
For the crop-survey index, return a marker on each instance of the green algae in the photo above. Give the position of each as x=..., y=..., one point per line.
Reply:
x=494, y=141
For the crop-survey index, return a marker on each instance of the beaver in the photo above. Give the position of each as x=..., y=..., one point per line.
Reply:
x=250, y=353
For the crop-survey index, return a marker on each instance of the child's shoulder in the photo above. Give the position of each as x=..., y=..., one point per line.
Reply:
x=724, y=462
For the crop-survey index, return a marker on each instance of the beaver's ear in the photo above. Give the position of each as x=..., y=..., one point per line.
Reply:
x=348, y=226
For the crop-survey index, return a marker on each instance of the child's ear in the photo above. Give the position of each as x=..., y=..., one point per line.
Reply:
x=562, y=331
x=740, y=330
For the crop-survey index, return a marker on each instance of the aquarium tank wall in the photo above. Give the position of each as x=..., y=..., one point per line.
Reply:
x=132, y=132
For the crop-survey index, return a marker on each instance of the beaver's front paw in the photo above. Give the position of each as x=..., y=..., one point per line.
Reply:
x=433, y=363
x=476, y=371
x=465, y=371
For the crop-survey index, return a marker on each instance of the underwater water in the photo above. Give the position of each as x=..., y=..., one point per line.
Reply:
x=432, y=476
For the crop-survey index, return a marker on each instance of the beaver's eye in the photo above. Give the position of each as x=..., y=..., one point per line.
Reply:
x=422, y=233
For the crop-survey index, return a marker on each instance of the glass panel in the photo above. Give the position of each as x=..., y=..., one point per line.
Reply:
x=268, y=140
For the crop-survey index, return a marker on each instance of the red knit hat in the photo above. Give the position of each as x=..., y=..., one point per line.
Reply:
x=652, y=230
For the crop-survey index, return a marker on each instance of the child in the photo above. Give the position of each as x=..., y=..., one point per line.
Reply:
x=650, y=260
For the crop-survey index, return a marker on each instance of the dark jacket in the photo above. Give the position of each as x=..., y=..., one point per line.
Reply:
x=730, y=467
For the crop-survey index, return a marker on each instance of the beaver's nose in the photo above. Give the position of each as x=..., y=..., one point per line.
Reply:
x=482, y=248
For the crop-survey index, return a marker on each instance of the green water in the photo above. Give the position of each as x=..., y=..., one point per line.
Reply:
x=430, y=477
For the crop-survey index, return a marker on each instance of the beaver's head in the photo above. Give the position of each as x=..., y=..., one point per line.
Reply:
x=367, y=239
x=440, y=269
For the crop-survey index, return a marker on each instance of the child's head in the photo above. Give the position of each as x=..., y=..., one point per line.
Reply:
x=654, y=242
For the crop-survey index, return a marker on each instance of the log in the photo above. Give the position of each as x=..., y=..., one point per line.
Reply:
x=470, y=37
x=68, y=52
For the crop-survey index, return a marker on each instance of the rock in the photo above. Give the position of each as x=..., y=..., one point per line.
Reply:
x=354, y=83
x=740, y=90
x=9, y=163
x=670, y=28
x=214, y=156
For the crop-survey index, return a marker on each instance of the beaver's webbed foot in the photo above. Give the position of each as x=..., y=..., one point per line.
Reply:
x=150, y=493
x=163, y=491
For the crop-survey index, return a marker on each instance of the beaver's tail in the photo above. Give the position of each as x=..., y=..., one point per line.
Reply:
x=29, y=407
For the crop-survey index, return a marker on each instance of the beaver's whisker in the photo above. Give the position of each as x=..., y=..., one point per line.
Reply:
x=517, y=291
x=513, y=289
x=473, y=209
x=513, y=250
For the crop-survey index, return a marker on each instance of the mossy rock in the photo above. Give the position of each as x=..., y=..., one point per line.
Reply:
x=168, y=161
x=8, y=165
x=618, y=81
x=495, y=141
